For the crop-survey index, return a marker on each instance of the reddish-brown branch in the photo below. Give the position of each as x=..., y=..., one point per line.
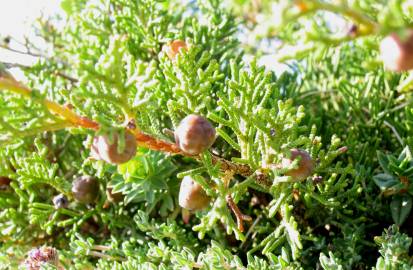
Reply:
x=226, y=165
x=87, y=123
x=144, y=140
x=238, y=214
x=241, y=169
x=150, y=142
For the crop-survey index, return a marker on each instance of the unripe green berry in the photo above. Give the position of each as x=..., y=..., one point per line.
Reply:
x=104, y=150
x=397, y=51
x=85, y=189
x=194, y=134
x=305, y=165
x=191, y=195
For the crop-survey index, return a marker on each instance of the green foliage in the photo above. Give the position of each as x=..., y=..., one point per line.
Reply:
x=147, y=178
x=335, y=101
x=394, y=249
x=395, y=182
x=330, y=262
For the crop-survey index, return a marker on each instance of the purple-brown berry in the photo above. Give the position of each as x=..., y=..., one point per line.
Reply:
x=397, y=51
x=191, y=195
x=194, y=134
x=85, y=189
x=108, y=151
x=4, y=182
x=305, y=165
x=114, y=197
x=60, y=201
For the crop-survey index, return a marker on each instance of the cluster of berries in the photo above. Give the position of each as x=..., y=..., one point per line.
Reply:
x=193, y=136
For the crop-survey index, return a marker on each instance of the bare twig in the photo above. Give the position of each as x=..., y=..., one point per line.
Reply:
x=101, y=247
x=57, y=73
x=105, y=256
x=250, y=230
x=238, y=214
x=14, y=65
x=27, y=52
x=67, y=77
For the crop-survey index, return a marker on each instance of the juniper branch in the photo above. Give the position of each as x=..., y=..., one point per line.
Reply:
x=144, y=140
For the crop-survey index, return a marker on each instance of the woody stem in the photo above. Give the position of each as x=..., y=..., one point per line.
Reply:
x=238, y=214
x=74, y=120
